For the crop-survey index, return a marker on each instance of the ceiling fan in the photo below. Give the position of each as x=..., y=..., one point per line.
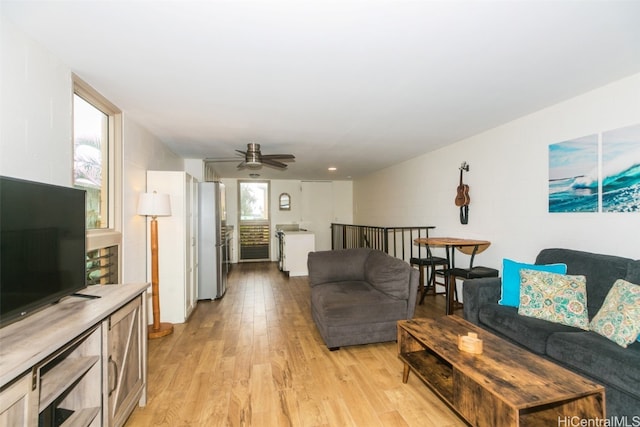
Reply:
x=254, y=159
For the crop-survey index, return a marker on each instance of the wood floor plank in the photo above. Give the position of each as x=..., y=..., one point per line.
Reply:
x=255, y=358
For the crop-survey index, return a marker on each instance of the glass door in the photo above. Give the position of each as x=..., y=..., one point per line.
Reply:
x=254, y=227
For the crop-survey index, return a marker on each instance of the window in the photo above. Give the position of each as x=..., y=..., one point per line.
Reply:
x=254, y=220
x=254, y=201
x=97, y=142
x=91, y=159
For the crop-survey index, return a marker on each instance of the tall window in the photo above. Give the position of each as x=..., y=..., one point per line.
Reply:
x=91, y=159
x=97, y=141
x=254, y=201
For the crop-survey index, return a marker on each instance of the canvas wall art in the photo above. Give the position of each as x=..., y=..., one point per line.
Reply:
x=573, y=175
x=621, y=170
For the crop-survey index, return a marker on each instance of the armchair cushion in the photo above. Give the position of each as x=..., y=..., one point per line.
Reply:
x=355, y=303
x=337, y=266
x=387, y=274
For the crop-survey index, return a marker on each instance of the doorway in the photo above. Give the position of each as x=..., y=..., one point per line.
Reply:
x=254, y=222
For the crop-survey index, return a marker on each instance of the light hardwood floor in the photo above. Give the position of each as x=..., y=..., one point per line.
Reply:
x=255, y=358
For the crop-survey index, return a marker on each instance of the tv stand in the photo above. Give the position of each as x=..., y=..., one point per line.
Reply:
x=79, y=295
x=81, y=359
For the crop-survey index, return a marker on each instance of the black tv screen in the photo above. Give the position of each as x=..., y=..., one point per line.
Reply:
x=42, y=245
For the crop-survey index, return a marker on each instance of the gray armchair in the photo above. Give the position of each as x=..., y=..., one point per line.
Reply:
x=358, y=295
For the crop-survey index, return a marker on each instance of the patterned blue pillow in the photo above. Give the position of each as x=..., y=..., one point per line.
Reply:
x=556, y=298
x=511, y=279
x=619, y=317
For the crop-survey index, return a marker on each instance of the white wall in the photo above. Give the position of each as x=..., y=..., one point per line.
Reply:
x=508, y=184
x=195, y=168
x=141, y=152
x=36, y=137
x=35, y=111
x=341, y=200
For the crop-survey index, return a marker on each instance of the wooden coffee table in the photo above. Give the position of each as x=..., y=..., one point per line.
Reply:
x=504, y=386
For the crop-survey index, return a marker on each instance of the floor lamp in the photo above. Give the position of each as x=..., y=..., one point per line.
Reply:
x=155, y=205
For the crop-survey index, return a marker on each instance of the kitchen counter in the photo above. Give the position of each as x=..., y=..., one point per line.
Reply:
x=296, y=246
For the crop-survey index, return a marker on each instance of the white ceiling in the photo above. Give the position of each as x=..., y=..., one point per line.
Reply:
x=359, y=85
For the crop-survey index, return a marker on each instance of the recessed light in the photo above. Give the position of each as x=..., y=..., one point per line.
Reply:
x=333, y=168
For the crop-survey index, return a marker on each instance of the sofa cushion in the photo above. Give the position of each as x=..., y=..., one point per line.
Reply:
x=529, y=332
x=599, y=358
x=388, y=274
x=336, y=266
x=557, y=298
x=601, y=271
x=633, y=272
x=619, y=316
x=353, y=302
x=510, y=289
x=633, y=275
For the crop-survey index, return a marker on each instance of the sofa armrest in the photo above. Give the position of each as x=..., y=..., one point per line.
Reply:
x=477, y=292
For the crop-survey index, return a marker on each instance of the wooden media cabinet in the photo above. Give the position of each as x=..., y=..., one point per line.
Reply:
x=80, y=362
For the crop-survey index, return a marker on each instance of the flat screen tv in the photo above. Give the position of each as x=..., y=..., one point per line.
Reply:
x=42, y=245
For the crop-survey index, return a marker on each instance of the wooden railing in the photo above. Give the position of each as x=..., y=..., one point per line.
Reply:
x=396, y=241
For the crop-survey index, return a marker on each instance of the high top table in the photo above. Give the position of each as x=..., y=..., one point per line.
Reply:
x=450, y=243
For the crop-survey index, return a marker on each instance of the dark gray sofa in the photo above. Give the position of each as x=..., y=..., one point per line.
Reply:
x=584, y=352
x=358, y=295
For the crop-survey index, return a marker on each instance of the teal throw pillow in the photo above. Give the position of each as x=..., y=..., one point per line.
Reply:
x=557, y=298
x=511, y=279
x=619, y=317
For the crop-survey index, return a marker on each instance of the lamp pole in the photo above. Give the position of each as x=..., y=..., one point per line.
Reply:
x=154, y=205
x=157, y=329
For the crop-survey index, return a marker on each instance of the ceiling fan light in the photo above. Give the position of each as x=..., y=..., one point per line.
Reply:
x=252, y=159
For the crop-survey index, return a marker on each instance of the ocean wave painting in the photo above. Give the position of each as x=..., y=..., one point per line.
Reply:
x=621, y=170
x=573, y=175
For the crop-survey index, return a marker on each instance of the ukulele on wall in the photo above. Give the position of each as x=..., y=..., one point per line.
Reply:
x=462, y=196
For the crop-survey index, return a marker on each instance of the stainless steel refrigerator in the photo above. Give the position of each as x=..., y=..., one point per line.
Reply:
x=213, y=258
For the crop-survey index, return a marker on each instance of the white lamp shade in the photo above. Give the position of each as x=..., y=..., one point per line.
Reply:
x=154, y=204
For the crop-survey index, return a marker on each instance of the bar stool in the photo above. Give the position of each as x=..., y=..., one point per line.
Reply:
x=468, y=273
x=433, y=262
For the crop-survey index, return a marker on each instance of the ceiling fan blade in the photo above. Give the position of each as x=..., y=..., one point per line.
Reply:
x=274, y=163
x=253, y=158
x=278, y=156
x=221, y=159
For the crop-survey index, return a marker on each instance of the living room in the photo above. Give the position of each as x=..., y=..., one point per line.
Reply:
x=508, y=175
x=508, y=165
